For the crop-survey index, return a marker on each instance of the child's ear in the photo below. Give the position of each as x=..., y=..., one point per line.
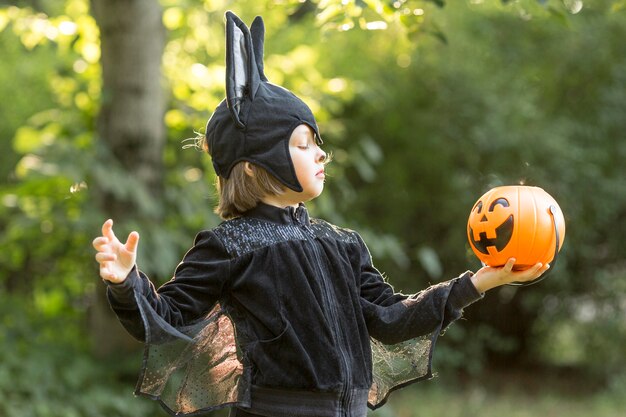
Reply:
x=247, y=168
x=242, y=74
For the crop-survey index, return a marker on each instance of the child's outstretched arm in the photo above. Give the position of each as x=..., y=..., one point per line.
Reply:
x=193, y=290
x=115, y=258
x=487, y=277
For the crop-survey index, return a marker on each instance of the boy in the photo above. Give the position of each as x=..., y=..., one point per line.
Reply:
x=272, y=312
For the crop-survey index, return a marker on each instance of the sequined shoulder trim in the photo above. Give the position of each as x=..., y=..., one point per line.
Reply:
x=243, y=235
x=323, y=229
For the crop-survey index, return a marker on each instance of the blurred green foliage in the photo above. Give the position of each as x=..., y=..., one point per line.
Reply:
x=47, y=370
x=424, y=107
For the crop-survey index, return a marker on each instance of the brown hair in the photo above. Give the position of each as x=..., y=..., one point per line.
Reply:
x=240, y=192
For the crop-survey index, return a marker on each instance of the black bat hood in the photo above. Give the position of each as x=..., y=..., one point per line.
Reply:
x=255, y=120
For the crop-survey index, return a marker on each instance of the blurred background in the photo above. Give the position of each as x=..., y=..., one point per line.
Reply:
x=425, y=105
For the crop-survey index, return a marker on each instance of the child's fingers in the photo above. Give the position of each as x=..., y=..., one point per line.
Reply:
x=539, y=268
x=535, y=271
x=99, y=242
x=107, y=230
x=508, y=266
x=106, y=274
x=542, y=269
x=106, y=226
x=132, y=242
x=105, y=257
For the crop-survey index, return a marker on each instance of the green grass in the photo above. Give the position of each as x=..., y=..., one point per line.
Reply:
x=506, y=395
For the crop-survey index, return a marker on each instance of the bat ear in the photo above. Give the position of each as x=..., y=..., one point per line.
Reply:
x=242, y=74
x=257, y=30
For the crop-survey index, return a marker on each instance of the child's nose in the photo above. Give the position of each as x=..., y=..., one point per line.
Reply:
x=321, y=155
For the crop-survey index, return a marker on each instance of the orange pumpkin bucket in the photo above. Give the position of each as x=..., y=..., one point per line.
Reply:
x=516, y=221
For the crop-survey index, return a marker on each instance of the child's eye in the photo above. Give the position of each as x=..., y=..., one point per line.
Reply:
x=303, y=146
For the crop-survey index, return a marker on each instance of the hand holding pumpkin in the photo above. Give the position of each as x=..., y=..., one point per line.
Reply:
x=489, y=277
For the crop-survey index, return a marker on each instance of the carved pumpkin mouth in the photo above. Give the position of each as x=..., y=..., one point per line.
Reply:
x=504, y=232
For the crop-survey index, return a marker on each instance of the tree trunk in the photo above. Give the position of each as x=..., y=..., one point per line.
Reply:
x=130, y=122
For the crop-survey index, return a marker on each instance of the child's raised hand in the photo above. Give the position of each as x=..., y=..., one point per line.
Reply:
x=116, y=259
x=488, y=277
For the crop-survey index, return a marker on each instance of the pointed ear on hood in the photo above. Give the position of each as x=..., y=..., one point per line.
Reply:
x=257, y=30
x=242, y=73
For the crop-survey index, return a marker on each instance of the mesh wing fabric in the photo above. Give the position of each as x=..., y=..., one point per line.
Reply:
x=198, y=368
x=195, y=369
x=395, y=366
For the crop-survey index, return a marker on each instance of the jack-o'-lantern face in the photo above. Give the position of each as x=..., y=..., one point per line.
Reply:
x=491, y=225
x=518, y=222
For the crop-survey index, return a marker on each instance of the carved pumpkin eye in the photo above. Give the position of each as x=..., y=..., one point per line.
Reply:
x=478, y=207
x=499, y=202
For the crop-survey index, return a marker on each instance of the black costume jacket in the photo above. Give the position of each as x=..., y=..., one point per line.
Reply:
x=284, y=315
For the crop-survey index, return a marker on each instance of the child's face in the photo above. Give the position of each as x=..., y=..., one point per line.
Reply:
x=308, y=160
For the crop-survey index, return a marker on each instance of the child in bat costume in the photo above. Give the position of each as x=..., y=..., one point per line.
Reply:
x=272, y=312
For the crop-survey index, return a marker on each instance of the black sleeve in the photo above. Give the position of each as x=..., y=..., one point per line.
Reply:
x=393, y=317
x=197, y=284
